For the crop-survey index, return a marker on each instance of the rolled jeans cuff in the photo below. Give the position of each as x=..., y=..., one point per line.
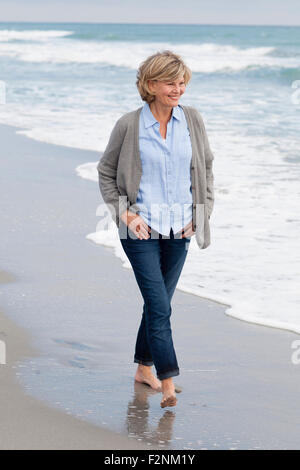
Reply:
x=168, y=374
x=145, y=363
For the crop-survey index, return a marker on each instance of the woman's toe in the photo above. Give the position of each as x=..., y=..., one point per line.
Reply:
x=168, y=401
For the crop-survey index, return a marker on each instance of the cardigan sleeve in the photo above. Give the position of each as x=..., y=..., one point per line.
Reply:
x=107, y=172
x=209, y=157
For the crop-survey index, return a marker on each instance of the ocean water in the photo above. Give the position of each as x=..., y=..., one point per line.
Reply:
x=67, y=84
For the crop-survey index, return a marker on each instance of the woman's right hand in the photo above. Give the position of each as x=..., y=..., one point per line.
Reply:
x=136, y=224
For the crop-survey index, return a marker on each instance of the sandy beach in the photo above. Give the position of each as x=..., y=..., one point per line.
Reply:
x=26, y=423
x=240, y=387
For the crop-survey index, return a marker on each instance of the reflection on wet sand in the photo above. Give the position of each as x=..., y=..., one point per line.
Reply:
x=137, y=424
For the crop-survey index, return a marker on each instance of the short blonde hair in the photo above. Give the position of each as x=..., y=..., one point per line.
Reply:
x=162, y=66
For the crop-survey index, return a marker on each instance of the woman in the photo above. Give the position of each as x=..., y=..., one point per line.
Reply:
x=156, y=178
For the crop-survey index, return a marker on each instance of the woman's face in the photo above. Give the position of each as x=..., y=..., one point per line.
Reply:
x=168, y=93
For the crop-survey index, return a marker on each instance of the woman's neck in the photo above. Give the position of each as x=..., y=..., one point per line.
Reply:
x=160, y=112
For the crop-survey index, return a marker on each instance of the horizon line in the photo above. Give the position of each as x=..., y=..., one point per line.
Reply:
x=152, y=24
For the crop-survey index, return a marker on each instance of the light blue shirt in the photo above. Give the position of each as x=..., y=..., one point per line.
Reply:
x=165, y=192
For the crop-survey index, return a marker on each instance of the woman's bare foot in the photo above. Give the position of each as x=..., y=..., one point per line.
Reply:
x=168, y=391
x=145, y=375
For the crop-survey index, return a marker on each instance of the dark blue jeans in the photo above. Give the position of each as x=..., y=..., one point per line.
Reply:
x=157, y=263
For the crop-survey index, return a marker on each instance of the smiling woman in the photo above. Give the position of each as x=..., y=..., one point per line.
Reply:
x=159, y=157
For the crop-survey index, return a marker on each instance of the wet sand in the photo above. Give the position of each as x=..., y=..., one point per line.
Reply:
x=27, y=423
x=240, y=387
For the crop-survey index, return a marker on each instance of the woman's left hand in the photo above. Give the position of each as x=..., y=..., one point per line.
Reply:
x=187, y=231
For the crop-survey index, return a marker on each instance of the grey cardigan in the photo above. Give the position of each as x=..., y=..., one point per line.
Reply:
x=120, y=171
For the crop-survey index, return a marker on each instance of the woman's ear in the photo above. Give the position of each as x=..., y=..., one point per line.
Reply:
x=151, y=86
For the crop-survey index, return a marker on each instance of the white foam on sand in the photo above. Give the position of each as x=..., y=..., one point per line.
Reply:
x=88, y=171
x=60, y=126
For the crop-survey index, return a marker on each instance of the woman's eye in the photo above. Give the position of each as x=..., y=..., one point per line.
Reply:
x=172, y=84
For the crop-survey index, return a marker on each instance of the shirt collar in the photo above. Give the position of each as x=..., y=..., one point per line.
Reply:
x=149, y=119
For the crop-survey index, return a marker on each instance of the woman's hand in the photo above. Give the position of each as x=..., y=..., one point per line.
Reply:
x=136, y=224
x=187, y=231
